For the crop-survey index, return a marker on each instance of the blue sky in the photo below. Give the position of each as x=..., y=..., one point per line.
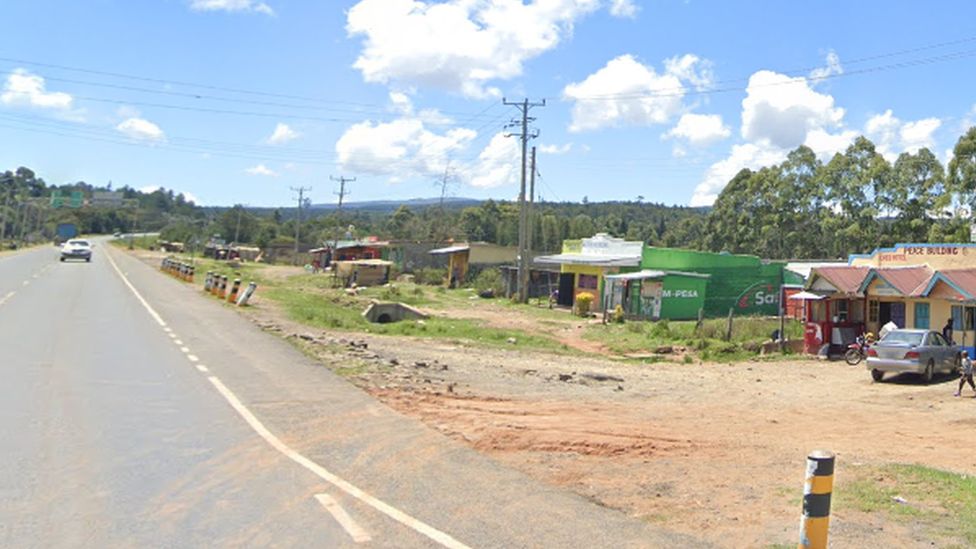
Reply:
x=235, y=101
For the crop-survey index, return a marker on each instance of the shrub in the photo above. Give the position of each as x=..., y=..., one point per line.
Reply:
x=431, y=276
x=583, y=302
x=618, y=314
x=489, y=279
x=661, y=330
x=687, y=359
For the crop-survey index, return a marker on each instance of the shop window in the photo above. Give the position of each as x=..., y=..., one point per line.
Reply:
x=857, y=311
x=922, y=315
x=587, y=282
x=842, y=308
x=970, y=318
x=873, y=308
x=957, y=318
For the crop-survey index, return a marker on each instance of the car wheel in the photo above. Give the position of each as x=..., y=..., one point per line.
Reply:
x=929, y=371
x=877, y=375
x=87, y=260
x=62, y=260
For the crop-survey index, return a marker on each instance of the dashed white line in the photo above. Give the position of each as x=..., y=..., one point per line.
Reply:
x=6, y=297
x=168, y=330
x=185, y=349
x=177, y=341
x=421, y=527
x=26, y=282
x=202, y=368
x=340, y=515
x=192, y=358
x=172, y=336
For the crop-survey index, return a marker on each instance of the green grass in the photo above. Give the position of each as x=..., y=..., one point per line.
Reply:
x=944, y=502
x=708, y=342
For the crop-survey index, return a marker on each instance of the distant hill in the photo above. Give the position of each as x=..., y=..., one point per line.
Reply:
x=392, y=205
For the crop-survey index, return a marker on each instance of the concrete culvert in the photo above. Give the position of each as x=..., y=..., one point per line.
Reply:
x=384, y=313
x=384, y=319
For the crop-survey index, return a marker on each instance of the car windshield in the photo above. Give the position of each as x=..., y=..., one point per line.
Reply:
x=83, y=243
x=901, y=338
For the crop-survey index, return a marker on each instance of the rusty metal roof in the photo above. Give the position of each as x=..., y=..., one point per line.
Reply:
x=846, y=278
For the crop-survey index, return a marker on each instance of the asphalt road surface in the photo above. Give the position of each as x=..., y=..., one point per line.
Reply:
x=136, y=413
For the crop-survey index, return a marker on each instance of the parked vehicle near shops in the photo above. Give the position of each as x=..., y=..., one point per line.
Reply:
x=922, y=352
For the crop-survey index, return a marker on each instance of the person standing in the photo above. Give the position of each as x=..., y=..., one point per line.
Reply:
x=965, y=372
x=947, y=331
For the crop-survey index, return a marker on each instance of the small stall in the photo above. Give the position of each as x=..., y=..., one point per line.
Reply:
x=654, y=295
x=363, y=272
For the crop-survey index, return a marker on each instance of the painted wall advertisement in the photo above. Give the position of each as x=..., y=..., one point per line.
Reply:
x=761, y=298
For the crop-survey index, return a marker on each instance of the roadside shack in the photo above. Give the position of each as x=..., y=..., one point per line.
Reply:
x=655, y=295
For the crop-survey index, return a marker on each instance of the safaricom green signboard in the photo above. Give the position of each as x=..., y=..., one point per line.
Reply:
x=682, y=296
x=743, y=283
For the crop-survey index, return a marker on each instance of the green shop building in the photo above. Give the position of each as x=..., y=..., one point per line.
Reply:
x=744, y=283
x=653, y=295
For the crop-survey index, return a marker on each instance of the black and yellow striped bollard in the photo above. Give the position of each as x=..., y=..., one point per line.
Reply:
x=232, y=297
x=815, y=523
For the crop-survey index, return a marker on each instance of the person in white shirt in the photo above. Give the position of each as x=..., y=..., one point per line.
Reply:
x=965, y=372
x=887, y=328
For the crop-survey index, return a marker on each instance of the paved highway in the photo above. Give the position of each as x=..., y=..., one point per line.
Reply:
x=136, y=413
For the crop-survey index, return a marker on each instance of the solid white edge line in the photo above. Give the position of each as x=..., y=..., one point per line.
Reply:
x=423, y=528
x=152, y=312
x=340, y=515
x=323, y=473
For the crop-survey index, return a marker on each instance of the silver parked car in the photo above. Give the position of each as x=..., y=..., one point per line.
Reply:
x=921, y=352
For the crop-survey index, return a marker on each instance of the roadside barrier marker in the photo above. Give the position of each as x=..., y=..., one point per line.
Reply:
x=234, y=290
x=817, y=489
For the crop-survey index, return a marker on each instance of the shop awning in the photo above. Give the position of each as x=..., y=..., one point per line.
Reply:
x=591, y=259
x=806, y=295
x=647, y=273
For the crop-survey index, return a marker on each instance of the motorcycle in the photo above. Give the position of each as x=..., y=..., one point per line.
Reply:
x=857, y=351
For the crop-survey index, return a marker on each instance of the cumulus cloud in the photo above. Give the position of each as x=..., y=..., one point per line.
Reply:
x=555, y=149
x=692, y=69
x=783, y=109
x=403, y=147
x=141, y=129
x=699, y=129
x=891, y=136
x=282, y=134
x=231, y=6
x=623, y=8
x=403, y=105
x=23, y=88
x=832, y=68
x=459, y=46
x=627, y=92
x=261, y=170
x=825, y=144
x=498, y=164
x=748, y=155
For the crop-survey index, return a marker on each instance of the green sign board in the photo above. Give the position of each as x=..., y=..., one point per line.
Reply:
x=75, y=199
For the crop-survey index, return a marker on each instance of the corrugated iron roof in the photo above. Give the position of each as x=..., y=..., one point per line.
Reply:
x=639, y=275
x=910, y=281
x=591, y=259
x=963, y=279
x=846, y=278
x=450, y=249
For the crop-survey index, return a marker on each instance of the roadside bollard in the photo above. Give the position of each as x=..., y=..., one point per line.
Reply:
x=191, y=272
x=819, y=484
x=208, y=281
x=181, y=271
x=162, y=264
x=223, y=287
x=246, y=294
x=234, y=290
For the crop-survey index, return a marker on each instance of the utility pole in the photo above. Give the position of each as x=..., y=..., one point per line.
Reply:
x=524, y=135
x=531, y=215
x=342, y=195
x=237, y=230
x=3, y=219
x=298, y=221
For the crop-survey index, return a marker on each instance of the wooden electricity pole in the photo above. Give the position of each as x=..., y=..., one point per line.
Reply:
x=524, y=136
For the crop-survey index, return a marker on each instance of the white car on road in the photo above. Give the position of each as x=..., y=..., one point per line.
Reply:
x=76, y=249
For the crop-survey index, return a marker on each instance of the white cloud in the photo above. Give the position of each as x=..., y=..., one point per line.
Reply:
x=261, y=170
x=833, y=68
x=692, y=69
x=624, y=92
x=891, y=136
x=141, y=129
x=555, y=149
x=282, y=134
x=748, y=155
x=783, y=110
x=498, y=164
x=700, y=129
x=826, y=144
x=403, y=105
x=623, y=8
x=231, y=6
x=29, y=90
x=402, y=147
x=459, y=45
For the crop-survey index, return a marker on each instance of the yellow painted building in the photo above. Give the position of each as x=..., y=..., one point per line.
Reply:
x=583, y=264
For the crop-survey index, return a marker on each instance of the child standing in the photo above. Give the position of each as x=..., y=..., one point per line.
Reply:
x=966, y=372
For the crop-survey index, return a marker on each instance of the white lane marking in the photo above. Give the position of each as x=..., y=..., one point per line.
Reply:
x=172, y=336
x=168, y=330
x=340, y=515
x=323, y=473
x=202, y=368
x=6, y=297
x=177, y=341
x=184, y=349
x=26, y=282
x=152, y=312
x=192, y=358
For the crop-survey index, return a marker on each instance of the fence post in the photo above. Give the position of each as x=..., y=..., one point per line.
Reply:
x=701, y=320
x=817, y=489
x=728, y=331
